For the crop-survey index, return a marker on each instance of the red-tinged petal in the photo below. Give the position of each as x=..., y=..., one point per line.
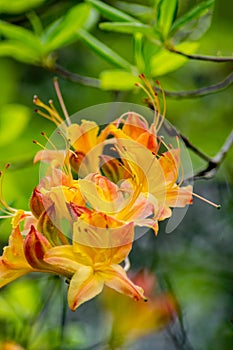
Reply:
x=36, y=203
x=115, y=277
x=35, y=247
x=65, y=258
x=148, y=140
x=84, y=286
x=179, y=196
x=134, y=126
x=56, y=156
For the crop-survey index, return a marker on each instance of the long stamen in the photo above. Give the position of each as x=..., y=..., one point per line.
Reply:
x=119, y=120
x=217, y=206
x=46, y=116
x=150, y=97
x=153, y=97
x=60, y=98
x=38, y=144
x=48, y=140
x=164, y=106
x=52, y=112
x=153, y=94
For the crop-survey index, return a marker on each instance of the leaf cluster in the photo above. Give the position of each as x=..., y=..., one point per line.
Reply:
x=156, y=29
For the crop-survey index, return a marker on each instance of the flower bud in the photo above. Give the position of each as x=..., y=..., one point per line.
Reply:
x=35, y=247
x=36, y=203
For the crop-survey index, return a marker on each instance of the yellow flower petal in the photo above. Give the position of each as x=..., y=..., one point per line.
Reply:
x=115, y=277
x=13, y=263
x=84, y=286
x=65, y=258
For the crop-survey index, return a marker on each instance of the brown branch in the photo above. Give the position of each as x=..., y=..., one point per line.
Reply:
x=206, y=90
x=93, y=82
x=193, y=148
x=218, y=59
x=75, y=78
x=215, y=162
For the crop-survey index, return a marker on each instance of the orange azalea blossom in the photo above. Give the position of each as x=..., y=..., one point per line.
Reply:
x=95, y=261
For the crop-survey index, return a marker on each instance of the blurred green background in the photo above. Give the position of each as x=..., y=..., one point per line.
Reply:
x=194, y=261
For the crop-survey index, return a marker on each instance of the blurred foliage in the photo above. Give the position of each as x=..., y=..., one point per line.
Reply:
x=163, y=28
x=114, y=41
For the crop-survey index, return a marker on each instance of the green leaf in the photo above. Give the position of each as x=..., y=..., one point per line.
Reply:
x=63, y=31
x=104, y=51
x=136, y=10
x=11, y=31
x=13, y=121
x=18, y=6
x=194, y=13
x=166, y=14
x=18, y=51
x=165, y=62
x=110, y=12
x=127, y=28
x=117, y=80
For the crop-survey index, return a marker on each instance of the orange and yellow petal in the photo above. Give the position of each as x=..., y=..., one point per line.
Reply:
x=65, y=258
x=83, y=137
x=84, y=285
x=179, y=196
x=13, y=263
x=115, y=277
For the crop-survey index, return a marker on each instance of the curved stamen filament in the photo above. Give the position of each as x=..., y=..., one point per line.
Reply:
x=48, y=140
x=60, y=98
x=217, y=206
x=119, y=120
x=154, y=95
x=151, y=98
x=164, y=106
x=52, y=112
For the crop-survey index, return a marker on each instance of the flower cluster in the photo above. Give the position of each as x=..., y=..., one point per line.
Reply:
x=104, y=184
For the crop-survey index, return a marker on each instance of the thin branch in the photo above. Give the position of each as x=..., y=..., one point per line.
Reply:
x=196, y=150
x=75, y=78
x=215, y=162
x=93, y=82
x=206, y=90
x=219, y=59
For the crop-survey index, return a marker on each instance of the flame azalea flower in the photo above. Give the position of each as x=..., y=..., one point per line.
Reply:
x=95, y=265
x=139, y=319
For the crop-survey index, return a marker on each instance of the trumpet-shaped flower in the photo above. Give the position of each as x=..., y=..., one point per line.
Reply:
x=105, y=243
